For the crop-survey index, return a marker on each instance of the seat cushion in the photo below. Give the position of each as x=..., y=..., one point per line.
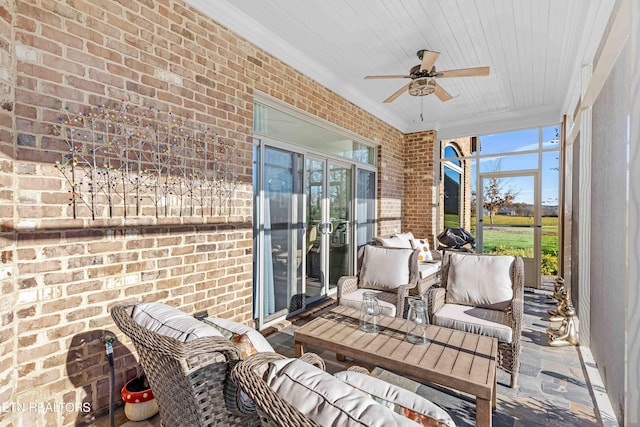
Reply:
x=480, y=280
x=386, y=300
x=482, y=321
x=170, y=321
x=398, y=399
x=426, y=269
x=384, y=268
x=326, y=399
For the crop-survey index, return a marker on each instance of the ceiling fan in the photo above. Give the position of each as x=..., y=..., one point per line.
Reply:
x=423, y=77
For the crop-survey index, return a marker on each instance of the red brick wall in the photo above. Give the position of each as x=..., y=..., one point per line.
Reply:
x=60, y=275
x=419, y=201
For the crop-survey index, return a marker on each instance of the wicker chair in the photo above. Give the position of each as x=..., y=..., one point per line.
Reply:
x=429, y=273
x=189, y=380
x=392, y=299
x=510, y=316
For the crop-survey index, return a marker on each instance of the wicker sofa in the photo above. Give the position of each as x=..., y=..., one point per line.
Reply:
x=309, y=397
x=429, y=271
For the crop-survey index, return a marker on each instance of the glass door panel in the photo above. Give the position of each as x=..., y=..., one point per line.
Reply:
x=283, y=232
x=366, y=207
x=340, y=202
x=315, y=241
x=510, y=220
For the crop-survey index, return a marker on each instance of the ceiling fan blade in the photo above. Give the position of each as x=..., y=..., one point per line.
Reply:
x=396, y=94
x=464, y=72
x=442, y=94
x=428, y=60
x=387, y=77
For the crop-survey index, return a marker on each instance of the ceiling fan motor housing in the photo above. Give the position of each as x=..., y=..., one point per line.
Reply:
x=422, y=86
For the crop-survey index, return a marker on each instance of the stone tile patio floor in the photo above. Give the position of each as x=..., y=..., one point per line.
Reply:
x=553, y=388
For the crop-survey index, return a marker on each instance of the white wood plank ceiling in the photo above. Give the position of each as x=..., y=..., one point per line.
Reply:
x=535, y=49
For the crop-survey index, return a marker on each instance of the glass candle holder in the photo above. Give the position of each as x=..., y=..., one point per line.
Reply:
x=417, y=322
x=369, y=312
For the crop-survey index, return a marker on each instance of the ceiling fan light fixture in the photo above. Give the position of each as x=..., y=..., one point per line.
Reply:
x=422, y=86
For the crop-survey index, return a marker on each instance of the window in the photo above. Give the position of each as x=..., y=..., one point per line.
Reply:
x=452, y=189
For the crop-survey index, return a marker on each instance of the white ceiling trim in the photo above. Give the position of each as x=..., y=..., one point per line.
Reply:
x=226, y=14
x=503, y=122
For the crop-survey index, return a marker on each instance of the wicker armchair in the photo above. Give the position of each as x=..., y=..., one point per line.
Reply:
x=189, y=380
x=374, y=260
x=429, y=272
x=504, y=323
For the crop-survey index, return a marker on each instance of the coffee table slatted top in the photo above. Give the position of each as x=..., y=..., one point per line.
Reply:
x=462, y=361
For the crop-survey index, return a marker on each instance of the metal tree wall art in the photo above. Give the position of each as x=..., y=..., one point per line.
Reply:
x=125, y=161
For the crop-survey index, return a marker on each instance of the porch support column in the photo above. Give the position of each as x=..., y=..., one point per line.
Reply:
x=584, y=216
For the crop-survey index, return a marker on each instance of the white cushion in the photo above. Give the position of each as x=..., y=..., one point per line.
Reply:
x=394, y=242
x=398, y=399
x=385, y=300
x=385, y=268
x=170, y=321
x=228, y=328
x=326, y=399
x=476, y=320
x=423, y=246
x=481, y=281
x=427, y=269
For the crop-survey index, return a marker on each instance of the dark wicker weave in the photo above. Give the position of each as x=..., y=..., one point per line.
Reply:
x=508, y=353
x=349, y=284
x=189, y=380
x=273, y=410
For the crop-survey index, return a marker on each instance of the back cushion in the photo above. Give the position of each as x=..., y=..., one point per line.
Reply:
x=398, y=399
x=326, y=399
x=400, y=240
x=171, y=322
x=480, y=281
x=384, y=268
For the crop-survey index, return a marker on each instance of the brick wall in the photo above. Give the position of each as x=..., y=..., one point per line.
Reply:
x=60, y=275
x=419, y=201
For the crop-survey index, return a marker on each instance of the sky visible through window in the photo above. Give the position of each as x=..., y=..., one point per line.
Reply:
x=507, y=146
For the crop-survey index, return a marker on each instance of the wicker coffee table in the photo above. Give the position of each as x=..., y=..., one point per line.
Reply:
x=458, y=360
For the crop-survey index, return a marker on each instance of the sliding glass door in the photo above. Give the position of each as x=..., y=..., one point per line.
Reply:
x=304, y=217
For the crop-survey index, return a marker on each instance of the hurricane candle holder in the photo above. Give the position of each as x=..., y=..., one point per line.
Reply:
x=369, y=312
x=417, y=322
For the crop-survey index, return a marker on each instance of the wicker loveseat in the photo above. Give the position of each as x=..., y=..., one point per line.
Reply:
x=189, y=379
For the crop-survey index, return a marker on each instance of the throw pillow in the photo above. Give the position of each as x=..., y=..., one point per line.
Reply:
x=480, y=280
x=244, y=344
x=385, y=268
x=423, y=246
x=399, y=400
x=231, y=330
